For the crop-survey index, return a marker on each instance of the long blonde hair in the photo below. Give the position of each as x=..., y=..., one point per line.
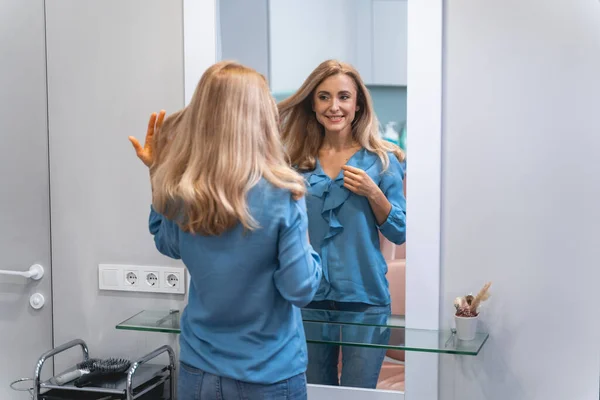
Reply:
x=211, y=153
x=303, y=135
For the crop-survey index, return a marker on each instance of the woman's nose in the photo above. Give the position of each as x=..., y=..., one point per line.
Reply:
x=334, y=105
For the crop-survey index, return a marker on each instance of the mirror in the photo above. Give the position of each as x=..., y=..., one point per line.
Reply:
x=286, y=40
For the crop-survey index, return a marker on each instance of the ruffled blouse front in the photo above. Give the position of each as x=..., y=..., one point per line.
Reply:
x=343, y=229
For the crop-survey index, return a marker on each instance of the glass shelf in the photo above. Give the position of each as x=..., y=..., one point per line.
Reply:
x=342, y=328
x=153, y=321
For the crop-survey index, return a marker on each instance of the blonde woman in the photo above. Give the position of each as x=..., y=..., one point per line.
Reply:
x=225, y=201
x=355, y=191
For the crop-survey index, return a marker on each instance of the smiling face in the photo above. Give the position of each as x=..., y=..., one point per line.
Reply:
x=335, y=103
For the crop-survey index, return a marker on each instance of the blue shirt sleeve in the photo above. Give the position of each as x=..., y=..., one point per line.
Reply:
x=394, y=227
x=299, y=273
x=166, y=234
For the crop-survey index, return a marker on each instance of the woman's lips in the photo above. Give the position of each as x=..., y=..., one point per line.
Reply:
x=336, y=118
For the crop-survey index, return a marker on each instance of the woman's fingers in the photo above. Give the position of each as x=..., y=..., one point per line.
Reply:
x=145, y=152
x=160, y=119
x=352, y=178
x=351, y=181
x=351, y=169
x=350, y=187
x=136, y=145
x=150, y=131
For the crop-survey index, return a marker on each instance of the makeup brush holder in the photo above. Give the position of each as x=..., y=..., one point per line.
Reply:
x=466, y=327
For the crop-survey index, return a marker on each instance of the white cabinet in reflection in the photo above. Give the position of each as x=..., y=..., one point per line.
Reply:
x=305, y=33
x=369, y=34
x=389, y=42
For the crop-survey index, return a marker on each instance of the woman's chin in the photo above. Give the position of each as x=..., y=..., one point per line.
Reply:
x=335, y=128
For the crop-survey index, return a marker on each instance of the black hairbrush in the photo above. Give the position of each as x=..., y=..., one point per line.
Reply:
x=108, y=368
x=81, y=369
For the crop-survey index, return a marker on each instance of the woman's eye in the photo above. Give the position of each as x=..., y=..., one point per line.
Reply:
x=344, y=97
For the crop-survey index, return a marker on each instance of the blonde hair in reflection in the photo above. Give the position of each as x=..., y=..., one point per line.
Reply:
x=211, y=153
x=303, y=135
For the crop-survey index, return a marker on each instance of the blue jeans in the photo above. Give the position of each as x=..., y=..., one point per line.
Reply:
x=360, y=365
x=195, y=384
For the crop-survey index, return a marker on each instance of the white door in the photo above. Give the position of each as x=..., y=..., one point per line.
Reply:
x=25, y=332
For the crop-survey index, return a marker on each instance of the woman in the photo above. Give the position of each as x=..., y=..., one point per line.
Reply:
x=355, y=191
x=226, y=203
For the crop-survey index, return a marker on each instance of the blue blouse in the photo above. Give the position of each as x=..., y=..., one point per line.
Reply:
x=344, y=231
x=242, y=319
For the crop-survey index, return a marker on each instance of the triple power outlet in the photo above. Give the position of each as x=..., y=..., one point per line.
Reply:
x=138, y=278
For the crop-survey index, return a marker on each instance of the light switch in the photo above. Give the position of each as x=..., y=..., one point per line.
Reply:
x=110, y=278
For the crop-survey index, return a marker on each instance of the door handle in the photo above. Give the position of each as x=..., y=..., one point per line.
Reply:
x=35, y=272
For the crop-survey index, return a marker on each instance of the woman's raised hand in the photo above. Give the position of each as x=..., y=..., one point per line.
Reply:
x=146, y=153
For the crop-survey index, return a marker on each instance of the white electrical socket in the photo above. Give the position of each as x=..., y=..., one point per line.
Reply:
x=131, y=277
x=152, y=278
x=172, y=280
x=138, y=278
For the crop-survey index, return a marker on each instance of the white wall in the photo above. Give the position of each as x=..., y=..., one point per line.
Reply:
x=520, y=195
x=110, y=64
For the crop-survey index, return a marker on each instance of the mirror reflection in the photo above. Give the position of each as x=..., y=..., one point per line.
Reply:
x=337, y=69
